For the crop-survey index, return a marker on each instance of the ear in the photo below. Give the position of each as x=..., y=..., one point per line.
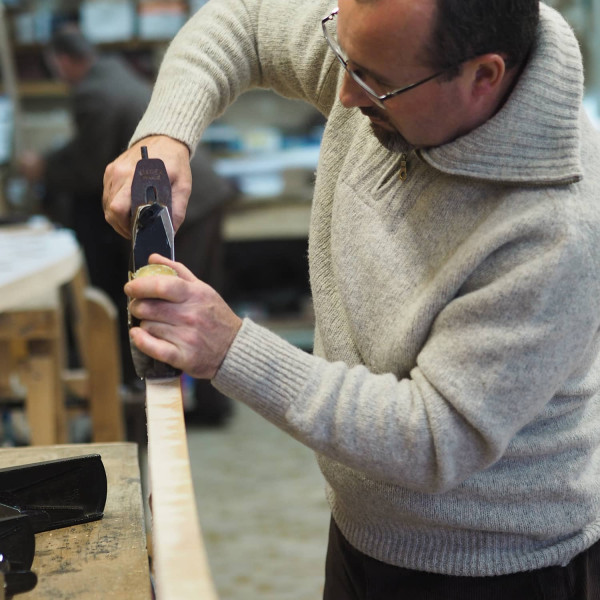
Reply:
x=487, y=74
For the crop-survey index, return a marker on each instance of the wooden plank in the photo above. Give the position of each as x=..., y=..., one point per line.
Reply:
x=36, y=339
x=28, y=324
x=179, y=558
x=78, y=314
x=44, y=400
x=77, y=383
x=103, y=559
x=104, y=368
x=6, y=360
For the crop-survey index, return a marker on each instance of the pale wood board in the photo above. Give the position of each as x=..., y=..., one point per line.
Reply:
x=179, y=558
x=98, y=560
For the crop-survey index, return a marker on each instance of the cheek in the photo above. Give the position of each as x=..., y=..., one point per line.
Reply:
x=412, y=116
x=426, y=119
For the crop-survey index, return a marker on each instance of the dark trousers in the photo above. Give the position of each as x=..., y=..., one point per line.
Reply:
x=351, y=575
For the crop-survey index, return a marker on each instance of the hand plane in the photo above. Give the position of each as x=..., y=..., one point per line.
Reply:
x=152, y=232
x=40, y=497
x=55, y=493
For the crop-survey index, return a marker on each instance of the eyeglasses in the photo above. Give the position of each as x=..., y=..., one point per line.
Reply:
x=330, y=33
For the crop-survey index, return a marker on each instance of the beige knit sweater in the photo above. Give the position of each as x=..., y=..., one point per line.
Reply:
x=453, y=399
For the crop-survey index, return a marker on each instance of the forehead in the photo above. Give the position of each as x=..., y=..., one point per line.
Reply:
x=385, y=31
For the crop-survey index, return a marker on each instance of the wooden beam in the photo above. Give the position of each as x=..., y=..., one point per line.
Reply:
x=179, y=558
x=104, y=367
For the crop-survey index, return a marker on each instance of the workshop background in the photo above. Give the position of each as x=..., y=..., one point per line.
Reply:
x=259, y=493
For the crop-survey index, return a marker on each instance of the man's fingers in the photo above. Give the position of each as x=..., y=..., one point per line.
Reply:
x=117, y=214
x=181, y=190
x=182, y=271
x=116, y=198
x=155, y=347
x=155, y=288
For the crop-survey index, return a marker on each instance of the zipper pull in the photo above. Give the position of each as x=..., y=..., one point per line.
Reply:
x=403, y=174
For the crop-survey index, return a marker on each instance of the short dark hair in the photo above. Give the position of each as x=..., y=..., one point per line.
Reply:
x=69, y=40
x=464, y=29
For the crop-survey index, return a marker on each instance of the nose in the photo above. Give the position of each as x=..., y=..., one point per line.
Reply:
x=352, y=95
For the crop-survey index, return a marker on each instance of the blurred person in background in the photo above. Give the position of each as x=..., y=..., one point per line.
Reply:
x=107, y=99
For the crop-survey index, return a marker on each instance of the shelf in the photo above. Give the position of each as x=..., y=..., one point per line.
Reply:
x=125, y=45
x=40, y=89
x=47, y=89
x=273, y=219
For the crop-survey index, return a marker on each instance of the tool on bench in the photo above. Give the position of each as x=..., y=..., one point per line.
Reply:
x=17, y=542
x=14, y=579
x=152, y=232
x=39, y=497
x=17, y=547
x=55, y=493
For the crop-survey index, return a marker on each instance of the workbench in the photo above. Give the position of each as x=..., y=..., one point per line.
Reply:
x=101, y=559
x=38, y=263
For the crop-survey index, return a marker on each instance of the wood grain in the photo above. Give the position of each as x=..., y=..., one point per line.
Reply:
x=179, y=559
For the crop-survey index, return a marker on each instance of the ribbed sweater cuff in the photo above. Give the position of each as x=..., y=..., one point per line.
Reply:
x=264, y=371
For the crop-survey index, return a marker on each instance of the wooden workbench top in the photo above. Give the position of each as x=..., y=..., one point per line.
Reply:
x=102, y=559
x=34, y=262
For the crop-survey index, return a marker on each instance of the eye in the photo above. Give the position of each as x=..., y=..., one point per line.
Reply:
x=367, y=78
x=360, y=74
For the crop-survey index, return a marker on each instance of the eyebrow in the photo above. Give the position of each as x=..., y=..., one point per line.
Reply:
x=373, y=74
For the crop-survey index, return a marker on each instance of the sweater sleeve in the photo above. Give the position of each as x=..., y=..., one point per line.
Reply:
x=521, y=330
x=231, y=46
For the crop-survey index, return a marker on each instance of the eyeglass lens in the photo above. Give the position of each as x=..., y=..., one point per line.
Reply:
x=330, y=31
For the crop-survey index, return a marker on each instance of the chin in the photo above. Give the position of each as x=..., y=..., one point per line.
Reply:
x=390, y=139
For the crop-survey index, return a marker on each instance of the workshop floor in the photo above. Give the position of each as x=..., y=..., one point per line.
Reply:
x=262, y=510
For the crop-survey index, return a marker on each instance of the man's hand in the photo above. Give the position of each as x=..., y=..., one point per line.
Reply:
x=118, y=176
x=184, y=322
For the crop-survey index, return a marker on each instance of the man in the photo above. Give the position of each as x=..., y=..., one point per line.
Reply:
x=453, y=398
x=108, y=98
